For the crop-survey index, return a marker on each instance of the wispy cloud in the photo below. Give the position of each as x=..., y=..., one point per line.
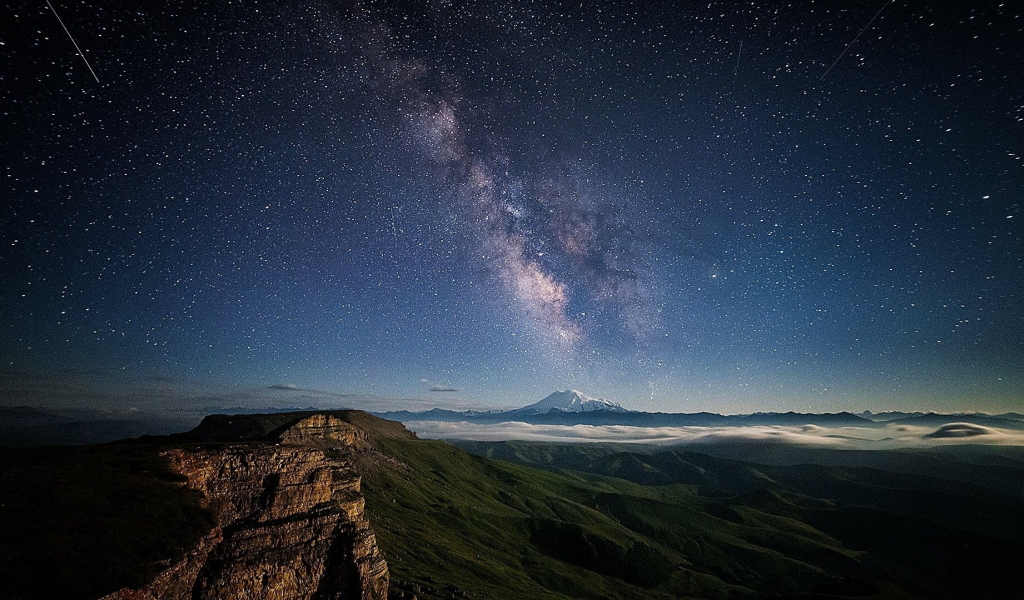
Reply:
x=443, y=388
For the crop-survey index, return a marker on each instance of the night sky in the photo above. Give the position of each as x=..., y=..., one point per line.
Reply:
x=677, y=206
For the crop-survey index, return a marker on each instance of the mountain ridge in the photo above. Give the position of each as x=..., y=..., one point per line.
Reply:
x=572, y=407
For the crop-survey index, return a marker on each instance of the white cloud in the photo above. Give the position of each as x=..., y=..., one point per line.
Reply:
x=811, y=435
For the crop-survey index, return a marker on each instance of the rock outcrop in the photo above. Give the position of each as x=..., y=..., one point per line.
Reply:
x=291, y=520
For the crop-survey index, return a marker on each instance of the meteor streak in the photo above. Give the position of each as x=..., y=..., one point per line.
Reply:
x=59, y=20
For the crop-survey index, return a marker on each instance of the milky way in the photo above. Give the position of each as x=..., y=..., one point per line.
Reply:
x=542, y=237
x=666, y=204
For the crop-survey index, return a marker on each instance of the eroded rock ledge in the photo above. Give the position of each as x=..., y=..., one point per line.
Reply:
x=290, y=516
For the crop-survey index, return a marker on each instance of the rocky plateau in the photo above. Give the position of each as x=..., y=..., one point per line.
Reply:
x=290, y=520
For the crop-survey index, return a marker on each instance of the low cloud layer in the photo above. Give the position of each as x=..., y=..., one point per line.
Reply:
x=901, y=436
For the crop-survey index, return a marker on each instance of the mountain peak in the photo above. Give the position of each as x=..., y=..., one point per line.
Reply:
x=571, y=401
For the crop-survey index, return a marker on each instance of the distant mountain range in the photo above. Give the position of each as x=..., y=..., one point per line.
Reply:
x=33, y=426
x=571, y=407
x=894, y=415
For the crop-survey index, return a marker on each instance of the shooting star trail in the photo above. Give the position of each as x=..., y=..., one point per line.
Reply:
x=845, y=50
x=59, y=20
x=738, y=57
x=394, y=224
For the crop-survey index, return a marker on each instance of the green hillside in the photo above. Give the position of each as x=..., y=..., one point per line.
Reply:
x=669, y=525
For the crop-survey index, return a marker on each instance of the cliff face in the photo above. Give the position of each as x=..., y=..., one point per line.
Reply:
x=291, y=521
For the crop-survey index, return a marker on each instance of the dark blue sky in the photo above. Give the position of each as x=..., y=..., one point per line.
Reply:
x=671, y=205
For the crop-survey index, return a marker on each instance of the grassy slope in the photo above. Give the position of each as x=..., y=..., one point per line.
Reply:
x=502, y=530
x=930, y=534
x=458, y=520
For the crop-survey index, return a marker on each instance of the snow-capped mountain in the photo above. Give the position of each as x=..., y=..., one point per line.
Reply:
x=571, y=401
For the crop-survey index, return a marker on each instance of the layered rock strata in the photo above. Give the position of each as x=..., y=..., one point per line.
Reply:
x=291, y=521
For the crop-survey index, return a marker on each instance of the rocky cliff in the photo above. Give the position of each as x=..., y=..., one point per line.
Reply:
x=290, y=516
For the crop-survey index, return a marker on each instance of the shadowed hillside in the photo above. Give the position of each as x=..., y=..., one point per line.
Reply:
x=80, y=522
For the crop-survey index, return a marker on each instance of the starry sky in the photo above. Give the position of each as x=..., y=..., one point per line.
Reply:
x=678, y=206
